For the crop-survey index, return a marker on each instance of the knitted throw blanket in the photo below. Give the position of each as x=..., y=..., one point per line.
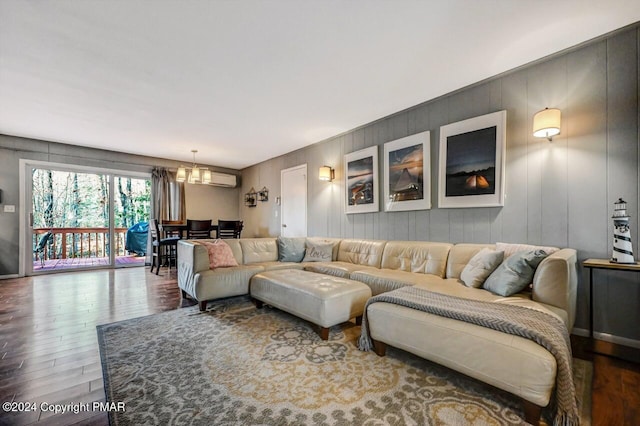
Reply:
x=544, y=329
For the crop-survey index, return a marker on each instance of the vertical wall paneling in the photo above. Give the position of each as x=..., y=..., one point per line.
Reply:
x=623, y=289
x=537, y=88
x=551, y=93
x=557, y=193
x=438, y=218
x=586, y=132
x=348, y=219
x=514, y=212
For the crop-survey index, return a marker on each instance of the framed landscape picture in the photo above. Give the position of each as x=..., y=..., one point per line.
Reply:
x=471, y=167
x=407, y=182
x=361, y=180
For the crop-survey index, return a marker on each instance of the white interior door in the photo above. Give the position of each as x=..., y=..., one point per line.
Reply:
x=293, y=183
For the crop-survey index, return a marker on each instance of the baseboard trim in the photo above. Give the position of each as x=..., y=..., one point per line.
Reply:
x=6, y=277
x=608, y=338
x=583, y=332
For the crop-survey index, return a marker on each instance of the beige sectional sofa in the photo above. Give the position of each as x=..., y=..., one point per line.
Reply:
x=514, y=364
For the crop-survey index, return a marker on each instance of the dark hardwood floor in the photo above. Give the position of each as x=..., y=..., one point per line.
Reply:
x=48, y=341
x=49, y=347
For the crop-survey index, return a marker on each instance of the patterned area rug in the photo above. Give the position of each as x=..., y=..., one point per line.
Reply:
x=236, y=364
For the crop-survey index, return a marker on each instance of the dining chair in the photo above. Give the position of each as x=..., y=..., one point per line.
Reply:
x=164, y=250
x=169, y=230
x=197, y=229
x=229, y=228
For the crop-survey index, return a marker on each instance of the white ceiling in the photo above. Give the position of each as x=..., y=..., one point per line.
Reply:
x=245, y=81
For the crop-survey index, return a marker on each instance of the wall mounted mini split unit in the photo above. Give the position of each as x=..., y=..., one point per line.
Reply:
x=224, y=180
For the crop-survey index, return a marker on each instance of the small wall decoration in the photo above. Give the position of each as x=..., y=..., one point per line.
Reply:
x=263, y=194
x=471, y=172
x=361, y=172
x=250, y=198
x=407, y=182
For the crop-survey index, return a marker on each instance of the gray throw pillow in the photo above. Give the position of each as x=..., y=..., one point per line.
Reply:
x=480, y=267
x=318, y=251
x=515, y=273
x=290, y=249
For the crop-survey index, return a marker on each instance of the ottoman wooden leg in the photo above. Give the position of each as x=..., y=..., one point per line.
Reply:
x=259, y=304
x=359, y=320
x=203, y=305
x=379, y=348
x=531, y=412
x=324, y=333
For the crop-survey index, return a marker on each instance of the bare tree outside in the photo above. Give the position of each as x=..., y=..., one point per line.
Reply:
x=75, y=207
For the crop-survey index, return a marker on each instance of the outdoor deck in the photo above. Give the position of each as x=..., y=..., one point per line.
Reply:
x=86, y=262
x=75, y=248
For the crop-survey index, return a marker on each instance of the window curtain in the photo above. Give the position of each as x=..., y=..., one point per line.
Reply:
x=168, y=196
x=168, y=200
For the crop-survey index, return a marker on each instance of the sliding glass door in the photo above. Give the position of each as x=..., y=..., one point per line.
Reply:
x=132, y=204
x=82, y=218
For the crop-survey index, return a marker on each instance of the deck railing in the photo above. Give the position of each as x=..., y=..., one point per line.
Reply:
x=79, y=242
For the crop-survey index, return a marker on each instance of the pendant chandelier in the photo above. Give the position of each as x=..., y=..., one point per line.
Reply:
x=196, y=174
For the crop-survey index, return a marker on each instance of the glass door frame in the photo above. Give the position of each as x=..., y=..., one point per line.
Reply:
x=26, y=207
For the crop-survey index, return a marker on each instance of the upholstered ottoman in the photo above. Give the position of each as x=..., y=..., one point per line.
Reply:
x=321, y=299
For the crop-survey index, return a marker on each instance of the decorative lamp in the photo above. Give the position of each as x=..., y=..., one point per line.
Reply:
x=181, y=176
x=326, y=174
x=195, y=174
x=546, y=123
x=206, y=176
x=622, y=249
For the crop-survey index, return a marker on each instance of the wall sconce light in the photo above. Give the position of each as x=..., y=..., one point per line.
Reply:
x=326, y=174
x=546, y=123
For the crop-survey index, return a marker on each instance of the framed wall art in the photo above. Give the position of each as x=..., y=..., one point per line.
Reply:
x=361, y=181
x=407, y=170
x=471, y=165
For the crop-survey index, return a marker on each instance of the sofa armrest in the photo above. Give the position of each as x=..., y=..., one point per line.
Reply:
x=193, y=258
x=556, y=280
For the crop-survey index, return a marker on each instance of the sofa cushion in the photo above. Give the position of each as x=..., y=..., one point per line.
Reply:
x=337, y=269
x=318, y=251
x=480, y=267
x=515, y=273
x=334, y=241
x=361, y=252
x=220, y=254
x=460, y=255
x=384, y=280
x=509, y=248
x=256, y=250
x=416, y=256
x=291, y=249
x=272, y=266
x=511, y=363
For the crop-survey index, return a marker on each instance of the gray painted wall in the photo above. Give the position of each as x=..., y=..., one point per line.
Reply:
x=559, y=193
x=202, y=201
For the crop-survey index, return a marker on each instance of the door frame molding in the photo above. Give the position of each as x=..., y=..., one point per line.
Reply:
x=25, y=196
x=306, y=199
